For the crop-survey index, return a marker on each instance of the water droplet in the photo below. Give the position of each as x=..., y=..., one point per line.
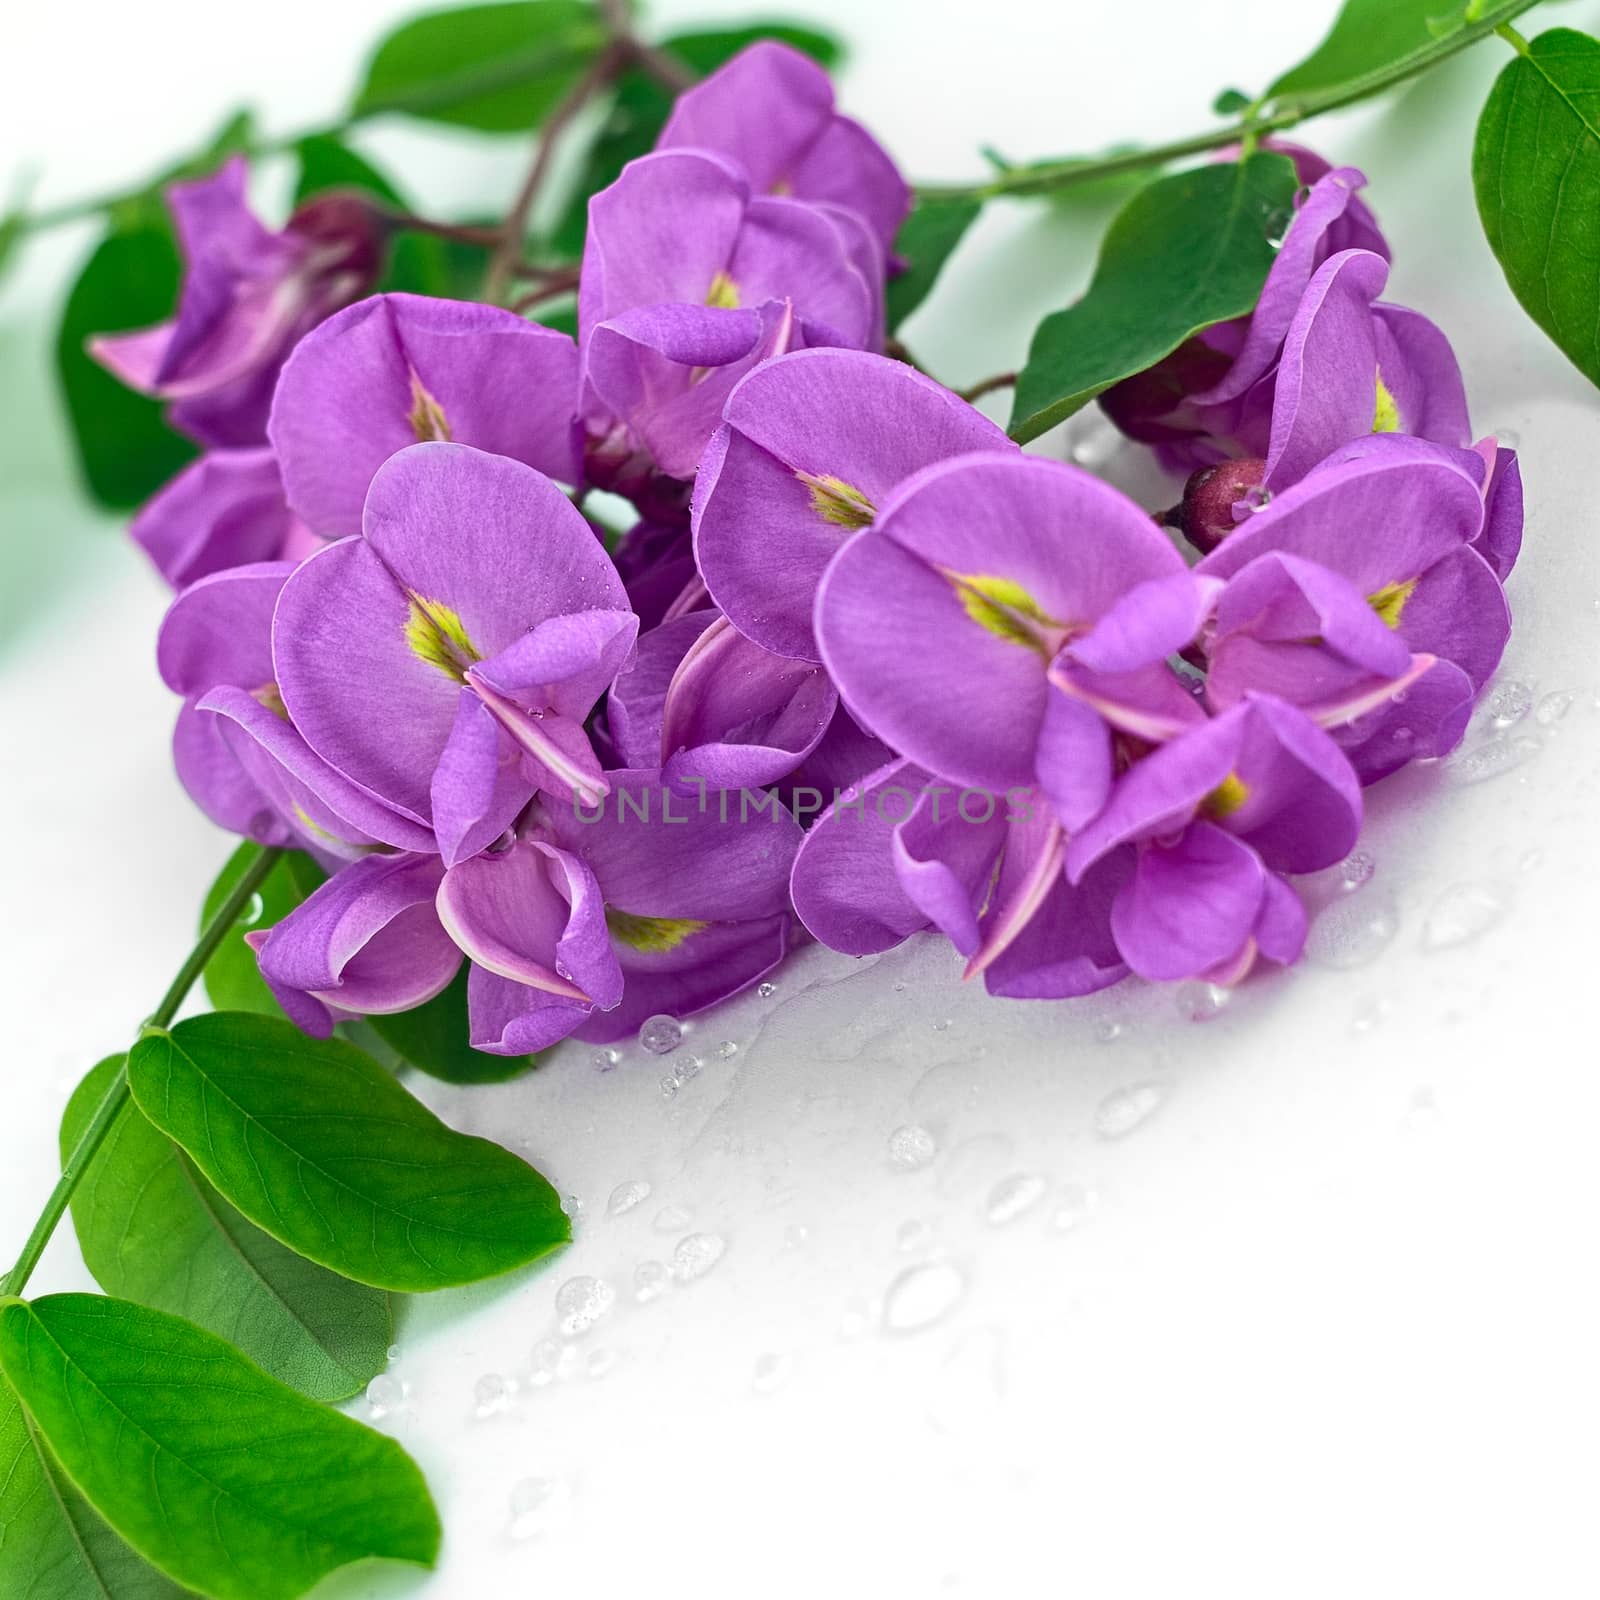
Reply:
x=913, y=1234
x=1553, y=707
x=581, y=1302
x=695, y=1255
x=1356, y=869
x=1351, y=933
x=771, y=1372
x=1461, y=913
x=1509, y=703
x=1107, y=1031
x=650, y=1281
x=940, y=1024
x=795, y=1235
x=1013, y=1197
x=765, y=991
x=1491, y=759
x=573, y=1207
x=605, y=1060
x=660, y=1035
x=912, y=1147
x=683, y=1069
x=384, y=1394
x=1200, y=1002
x=253, y=909
x=1075, y=1204
x=627, y=1195
x=1368, y=1015
x=1257, y=497
x=1125, y=1109
x=538, y=1505
x=490, y=1394
x=545, y=1362
x=393, y=1354
x=672, y=1219
x=922, y=1296
x=727, y=1050
x=600, y=1362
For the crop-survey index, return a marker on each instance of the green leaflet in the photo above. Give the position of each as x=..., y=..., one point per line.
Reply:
x=925, y=242
x=152, y=1230
x=219, y=1475
x=231, y=978
x=314, y=1142
x=434, y=1039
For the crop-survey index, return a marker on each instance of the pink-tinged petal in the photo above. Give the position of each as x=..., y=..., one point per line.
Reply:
x=1153, y=620
x=707, y=967
x=1190, y=906
x=1151, y=704
x=1067, y=948
x=719, y=857
x=1073, y=760
x=135, y=358
x=1419, y=370
x=1030, y=869
x=944, y=862
x=399, y=368
x=366, y=941
x=212, y=775
x=811, y=422
x=1326, y=389
x=1327, y=688
x=1377, y=518
x=845, y=886
x=224, y=510
x=1427, y=721
x=478, y=787
x=557, y=755
x=533, y=914
x=564, y=663
x=219, y=630
x=1501, y=539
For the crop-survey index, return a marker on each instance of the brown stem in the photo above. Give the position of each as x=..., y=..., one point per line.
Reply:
x=547, y=285
x=514, y=230
x=1001, y=380
x=462, y=232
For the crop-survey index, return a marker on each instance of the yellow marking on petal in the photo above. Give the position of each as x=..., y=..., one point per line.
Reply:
x=1385, y=410
x=1002, y=606
x=313, y=827
x=782, y=187
x=271, y=697
x=1390, y=601
x=437, y=635
x=1226, y=798
x=426, y=416
x=723, y=293
x=837, y=502
x=653, y=936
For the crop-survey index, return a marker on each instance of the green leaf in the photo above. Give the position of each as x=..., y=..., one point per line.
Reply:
x=154, y=1231
x=52, y=1545
x=232, y=979
x=1186, y=252
x=433, y=1037
x=500, y=68
x=640, y=108
x=925, y=241
x=1536, y=171
x=316, y=1143
x=1374, y=43
x=12, y=228
x=326, y=163
x=125, y=448
x=221, y=1476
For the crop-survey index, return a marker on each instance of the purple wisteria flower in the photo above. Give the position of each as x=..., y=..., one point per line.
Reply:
x=771, y=110
x=402, y=369
x=582, y=922
x=690, y=278
x=810, y=445
x=225, y=510
x=248, y=294
x=444, y=661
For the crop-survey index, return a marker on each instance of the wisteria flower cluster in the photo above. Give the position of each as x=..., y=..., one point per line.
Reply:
x=859, y=666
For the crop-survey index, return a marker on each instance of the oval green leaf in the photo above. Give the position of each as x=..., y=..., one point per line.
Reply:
x=924, y=243
x=314, y=1142
x=231, y=976
x=1536, y=172
x=1184, y=253
x=500, y=68
x=222, y=1477
x=154, y=1231
x=52, y=1545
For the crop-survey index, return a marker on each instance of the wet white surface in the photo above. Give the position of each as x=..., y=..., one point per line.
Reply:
x=930, y=1294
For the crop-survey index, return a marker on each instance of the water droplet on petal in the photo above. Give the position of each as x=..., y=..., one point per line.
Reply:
x=1200, y=1002
x=912, y=1147
x=660, y=1035
x=695, y=1255
x=581, y=1302
x=650, y=1281
x=384, y=1394
x=490, y=1394
x=1351, y=933
x=1013, y=1197
x=1462, y=913
x=1123, y=1110
x=771, y=1371
x=922, y=1296
x=627, y=1195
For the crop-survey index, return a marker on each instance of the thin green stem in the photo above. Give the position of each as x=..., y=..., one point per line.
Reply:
x=1513, y=38
x=1274, y=117
x=116, y=1097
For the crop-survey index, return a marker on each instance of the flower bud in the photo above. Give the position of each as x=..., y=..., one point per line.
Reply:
x=1206, y=515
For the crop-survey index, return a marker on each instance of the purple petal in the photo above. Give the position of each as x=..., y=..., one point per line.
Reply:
x=219, y=630
x=1067, y=948
x=944, y=861
x=1501, y=539
x=1073, y=759
x=1420, y=371
x=478, y=787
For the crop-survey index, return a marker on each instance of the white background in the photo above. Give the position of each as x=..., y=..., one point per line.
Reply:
x=1330, y=1328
